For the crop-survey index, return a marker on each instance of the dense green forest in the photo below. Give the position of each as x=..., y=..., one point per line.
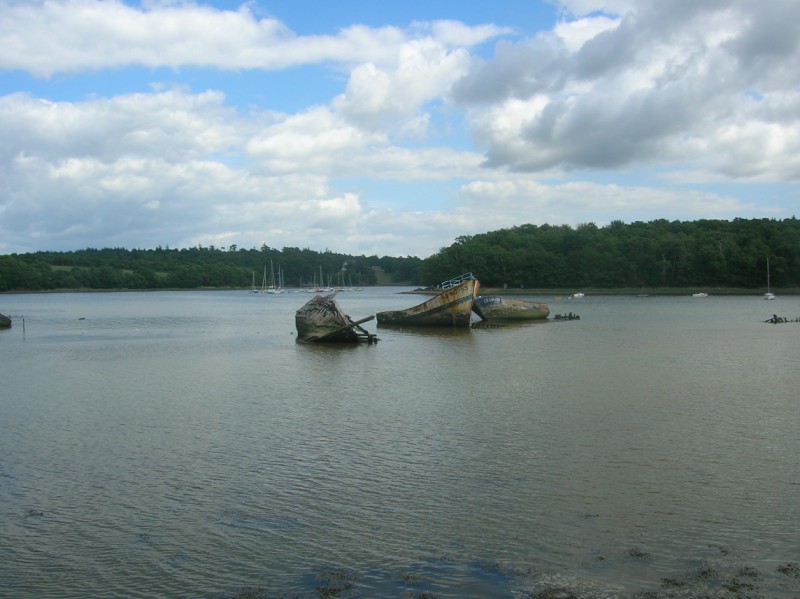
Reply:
x=164, y=268
x=656, y=254
x=704, y=253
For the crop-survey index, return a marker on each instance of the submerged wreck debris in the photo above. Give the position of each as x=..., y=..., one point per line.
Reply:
x=781, y=319
x=496, y=307
x=569, y=316
x=321, y=319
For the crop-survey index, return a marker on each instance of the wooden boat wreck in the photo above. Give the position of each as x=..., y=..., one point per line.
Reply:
x=450, y=307
x=321, y=319
x=496, y=307
x=5, y=322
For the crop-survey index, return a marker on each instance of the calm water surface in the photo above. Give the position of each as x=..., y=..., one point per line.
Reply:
x=183, y=444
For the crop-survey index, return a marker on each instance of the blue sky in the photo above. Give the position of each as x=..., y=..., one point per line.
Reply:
x=388, y=128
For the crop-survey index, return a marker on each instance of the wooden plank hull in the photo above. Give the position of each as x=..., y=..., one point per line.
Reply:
x=321, y=319
x=495, y=307
x=451, y=307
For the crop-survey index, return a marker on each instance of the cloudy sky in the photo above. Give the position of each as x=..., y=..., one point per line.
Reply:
x=388, y=128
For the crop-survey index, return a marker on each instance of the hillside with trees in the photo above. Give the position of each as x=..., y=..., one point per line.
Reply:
x=656, y=254
x=194, y=268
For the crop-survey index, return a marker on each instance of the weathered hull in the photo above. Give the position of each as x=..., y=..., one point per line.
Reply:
x=322, y=320
x=495, y=307
x=451, y=307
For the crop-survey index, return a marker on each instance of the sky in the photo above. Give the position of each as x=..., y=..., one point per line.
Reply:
x=388, y=128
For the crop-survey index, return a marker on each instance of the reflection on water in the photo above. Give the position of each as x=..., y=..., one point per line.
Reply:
x=185, y=445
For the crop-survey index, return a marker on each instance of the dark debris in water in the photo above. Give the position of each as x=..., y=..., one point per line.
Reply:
x=792, y=570
x=412, y=578
x=248, y=593
x=637, y=553
x=723, y=578
x=554, y=593
x=333, y=581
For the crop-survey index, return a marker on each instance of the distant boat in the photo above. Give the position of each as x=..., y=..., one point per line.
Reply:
x=450, y=307
x=264, y=281
x=5, y=322
x=768, y=295
x=321, y=319
x=701, y=294
x=273, y=287
x=496, y=307
x=253, y=286
x=578, y=295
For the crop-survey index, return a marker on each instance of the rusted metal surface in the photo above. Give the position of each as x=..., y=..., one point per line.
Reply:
x=495, y=307
x=451, y=307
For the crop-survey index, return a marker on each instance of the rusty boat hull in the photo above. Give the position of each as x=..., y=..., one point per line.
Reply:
x=451, y=307
x=321, y=319
x=495, y=307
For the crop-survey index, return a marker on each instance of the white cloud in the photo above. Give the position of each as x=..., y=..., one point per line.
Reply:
x=67, y=36
x=642, y=90
x=576, y=33
x=172, y=124
x=522, y=200
x=699, y=93
x=316, y=141
x=580, y=8
x=385, y=98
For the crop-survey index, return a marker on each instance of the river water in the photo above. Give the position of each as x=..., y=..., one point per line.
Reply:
x=183, y=444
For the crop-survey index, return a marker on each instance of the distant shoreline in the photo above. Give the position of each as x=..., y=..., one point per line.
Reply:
x=663, y=291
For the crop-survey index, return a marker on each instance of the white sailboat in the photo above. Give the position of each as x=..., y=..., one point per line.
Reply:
x=768, y=295
x=273, y=288
x=253, y=288
x=264, y=281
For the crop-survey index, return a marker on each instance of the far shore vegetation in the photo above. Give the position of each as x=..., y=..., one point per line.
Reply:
x=642, y=258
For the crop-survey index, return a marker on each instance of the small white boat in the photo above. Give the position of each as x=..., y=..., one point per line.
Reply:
x=701, y=294
x=578, y=295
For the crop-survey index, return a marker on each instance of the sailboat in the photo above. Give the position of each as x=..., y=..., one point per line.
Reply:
x=768, y=295
x=273, y=288
x=253, y=288
x=264, y=281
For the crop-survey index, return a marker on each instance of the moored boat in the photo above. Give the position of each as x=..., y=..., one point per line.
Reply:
x=450, y=307
x=5, y=322
x=768, y=295
x=321, y=319
x=496, y=307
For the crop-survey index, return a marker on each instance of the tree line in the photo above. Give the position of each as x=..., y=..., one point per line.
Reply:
x=660, y=253
x=656, y=254
x=197, y=267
